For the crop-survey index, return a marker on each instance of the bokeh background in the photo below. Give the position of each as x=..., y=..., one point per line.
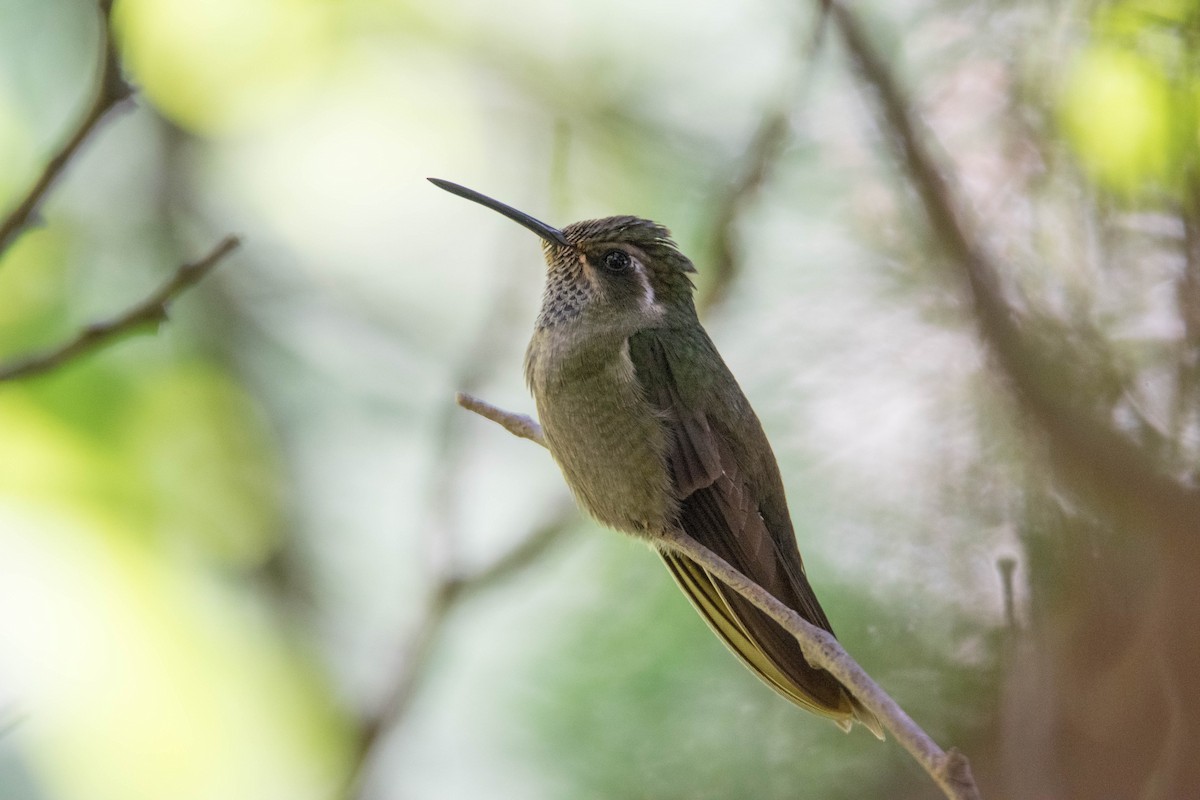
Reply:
x=261, y=554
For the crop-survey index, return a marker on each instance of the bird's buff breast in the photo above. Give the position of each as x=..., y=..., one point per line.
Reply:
x=608, y=441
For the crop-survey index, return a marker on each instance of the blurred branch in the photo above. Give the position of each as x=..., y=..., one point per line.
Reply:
x=1007, y=567
x=447, y=593
x=761, y=156
x=1187, y=292
x=151, y=310
x=1087, y=451
x=950, y=770
x=523, y=553
x=414, y=655
x=448, y=585
x=110, y=90
x=10, y=720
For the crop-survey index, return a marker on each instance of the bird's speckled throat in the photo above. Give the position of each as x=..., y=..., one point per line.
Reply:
x=567, y=289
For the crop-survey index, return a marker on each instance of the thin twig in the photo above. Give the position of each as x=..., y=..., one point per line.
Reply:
x=761, y=155
x=1087, y=451
x=151, y=310
x=110, y=90
x=950, y=770
x=519, y=425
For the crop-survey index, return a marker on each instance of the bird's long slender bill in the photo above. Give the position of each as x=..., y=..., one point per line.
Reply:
x=547, y=232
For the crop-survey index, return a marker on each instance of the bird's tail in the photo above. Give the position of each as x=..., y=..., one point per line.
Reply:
x=739, y=626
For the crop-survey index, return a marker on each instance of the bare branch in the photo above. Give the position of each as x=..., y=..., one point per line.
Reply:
x=151, y=310
x=519, y=425
x=110, y=90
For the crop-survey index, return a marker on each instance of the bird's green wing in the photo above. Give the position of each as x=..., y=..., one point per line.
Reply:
x=721, y=507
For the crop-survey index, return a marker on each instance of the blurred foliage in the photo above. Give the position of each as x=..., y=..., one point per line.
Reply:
x=270, y=50
x=140, y=678
x=120, y=490
x=34, y=283
x=128, y=486
x=1131, y=100
x=213, y=539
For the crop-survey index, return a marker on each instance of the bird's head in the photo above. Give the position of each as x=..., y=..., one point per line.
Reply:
x=624, y=268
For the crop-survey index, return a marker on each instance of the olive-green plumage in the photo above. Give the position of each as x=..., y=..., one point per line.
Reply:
x=653, y=434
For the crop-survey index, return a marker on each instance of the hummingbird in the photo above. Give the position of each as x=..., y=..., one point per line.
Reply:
x=653, y=435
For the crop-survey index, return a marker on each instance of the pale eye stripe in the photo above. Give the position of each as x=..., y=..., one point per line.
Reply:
x=649, y=298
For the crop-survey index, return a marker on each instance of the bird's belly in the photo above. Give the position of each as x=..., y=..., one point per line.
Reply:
x=611, y=446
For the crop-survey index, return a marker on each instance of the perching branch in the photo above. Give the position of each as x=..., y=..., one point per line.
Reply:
x=151, y=310
x=110, y=90
x=950, y=770
x=520, y=425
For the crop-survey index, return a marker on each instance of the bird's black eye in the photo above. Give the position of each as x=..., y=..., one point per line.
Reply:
x=616, y=261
